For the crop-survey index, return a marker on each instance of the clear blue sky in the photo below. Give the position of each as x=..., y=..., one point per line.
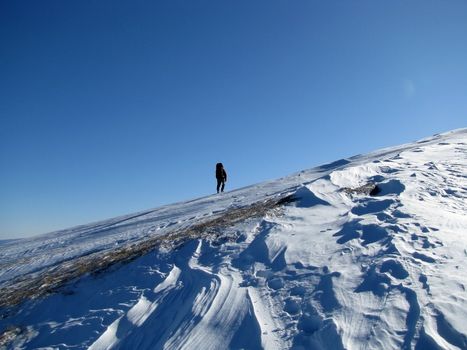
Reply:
x=109, y=107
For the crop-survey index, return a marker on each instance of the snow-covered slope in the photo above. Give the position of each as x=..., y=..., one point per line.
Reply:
x=332, y=270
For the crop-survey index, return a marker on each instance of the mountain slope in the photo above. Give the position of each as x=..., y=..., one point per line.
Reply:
x=334, y=268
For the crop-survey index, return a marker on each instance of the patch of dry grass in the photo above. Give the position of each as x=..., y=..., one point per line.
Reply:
x=51, y=279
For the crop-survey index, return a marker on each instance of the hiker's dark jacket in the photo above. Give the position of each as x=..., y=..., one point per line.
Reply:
x=221, y=174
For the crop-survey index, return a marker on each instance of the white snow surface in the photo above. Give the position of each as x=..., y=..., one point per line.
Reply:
x=332, y=271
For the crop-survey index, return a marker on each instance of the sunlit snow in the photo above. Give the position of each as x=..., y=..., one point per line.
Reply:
x=331, y=270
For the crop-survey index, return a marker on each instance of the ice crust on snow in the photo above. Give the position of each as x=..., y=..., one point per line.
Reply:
x=332, y=270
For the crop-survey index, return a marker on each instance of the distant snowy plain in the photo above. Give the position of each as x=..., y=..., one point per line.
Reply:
x=332, y=270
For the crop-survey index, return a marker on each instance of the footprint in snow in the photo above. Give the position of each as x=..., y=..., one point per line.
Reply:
x=372, y=206
x=276, y=283
x=423, y=257
x=309, y=323
x=394, y=268
x=424, y=281
x=291, y=306
x=427, y=244
x=298, y=291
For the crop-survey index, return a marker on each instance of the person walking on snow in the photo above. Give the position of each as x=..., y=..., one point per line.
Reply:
x=221, y=177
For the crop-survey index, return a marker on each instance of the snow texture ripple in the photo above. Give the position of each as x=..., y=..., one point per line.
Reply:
x=331, y=270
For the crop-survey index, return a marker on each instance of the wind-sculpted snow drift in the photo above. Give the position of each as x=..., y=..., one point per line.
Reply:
x=330, y=268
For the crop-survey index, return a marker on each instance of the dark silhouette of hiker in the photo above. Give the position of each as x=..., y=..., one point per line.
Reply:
x=221, y=177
